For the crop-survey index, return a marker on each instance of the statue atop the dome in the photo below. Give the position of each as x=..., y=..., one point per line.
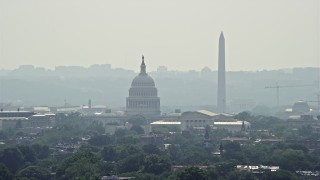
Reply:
x=143, y=67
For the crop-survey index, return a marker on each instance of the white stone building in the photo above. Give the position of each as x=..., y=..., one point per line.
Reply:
x=143, y=95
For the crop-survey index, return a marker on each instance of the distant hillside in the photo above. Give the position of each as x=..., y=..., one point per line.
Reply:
x=28, y=85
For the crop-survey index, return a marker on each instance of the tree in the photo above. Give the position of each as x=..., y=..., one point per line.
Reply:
x=243, y=116
x=193, y=173
x=279, y=175
x=81, y=165
x=151, y=149
x=142, y=176
x=240, y=175
x=174, y=152
x=290, y=159
x=195, y=154
x=232, y=146
x=41, y=151
x=28, y=153
x=124, y=151
x=223, y=168
x=4, y=172
x=212, y=173
x=131, y=163
x=12, y=158
x=96, y=127
x=100, y=140
x=137, y=129
x=156, y=164
x=120, y=132
x=34, y=172
x=109, y=153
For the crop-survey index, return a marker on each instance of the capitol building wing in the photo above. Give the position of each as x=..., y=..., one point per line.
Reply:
x=143, y=95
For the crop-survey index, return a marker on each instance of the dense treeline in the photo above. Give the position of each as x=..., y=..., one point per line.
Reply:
x=126, y=154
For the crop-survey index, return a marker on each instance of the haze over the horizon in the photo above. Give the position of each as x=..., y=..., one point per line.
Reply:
x=179, y=34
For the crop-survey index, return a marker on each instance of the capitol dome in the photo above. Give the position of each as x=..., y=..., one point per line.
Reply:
x=142, y=80
x=143, y=95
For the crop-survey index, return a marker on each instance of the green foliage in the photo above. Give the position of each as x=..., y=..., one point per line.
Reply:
x=243, y=116
x=12, y=158
x=47, y=163
x=240, y=175
x=131, y=163
x=290, y=159
x=109, y=153
x=175, y=153
x=151, y=149
x=212, y=173
x=265, y=122
x=125, y=153
x=195, y=154
x=83, y=165
x=34, y=172
x=96, y=127
x=130, y=139
x=27, y=153
x=193, y=173
x=41, y=151
x=101, y=140
x=223, y=168
x=121, y=133
x=279, y=175
x=137, y=129
x=66, y=128
x=4, y=172
x=125, y=150
x=156, y=164
x=307, y=133
x=142, y=176
x=232, y=146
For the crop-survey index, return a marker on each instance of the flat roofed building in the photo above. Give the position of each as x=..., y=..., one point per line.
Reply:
x=26, y=114
x=234, y=126
x=166, y=123
x=23, y=119
x=196, y=119
x=200, y=119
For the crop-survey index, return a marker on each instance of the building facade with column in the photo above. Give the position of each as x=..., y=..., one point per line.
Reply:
x=143, y=95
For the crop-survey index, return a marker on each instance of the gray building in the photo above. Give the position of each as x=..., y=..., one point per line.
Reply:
x=143, y=95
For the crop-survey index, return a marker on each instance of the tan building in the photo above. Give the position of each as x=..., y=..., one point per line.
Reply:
x=196, y=119
x=200, y=119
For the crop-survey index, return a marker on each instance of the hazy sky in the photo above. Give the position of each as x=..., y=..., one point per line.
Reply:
x=180, y=34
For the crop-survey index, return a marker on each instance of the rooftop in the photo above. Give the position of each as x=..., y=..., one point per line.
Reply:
x=161, y=122
x=235, y=123
x=208, y=113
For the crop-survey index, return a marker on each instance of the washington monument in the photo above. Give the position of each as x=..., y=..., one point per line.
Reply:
x=221, y=76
